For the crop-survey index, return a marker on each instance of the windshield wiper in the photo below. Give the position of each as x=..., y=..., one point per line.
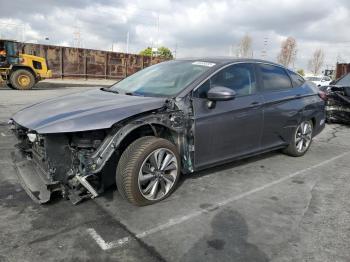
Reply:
x=106, y=89
x=133, y=94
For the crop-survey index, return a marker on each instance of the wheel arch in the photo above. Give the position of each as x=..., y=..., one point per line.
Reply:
x=121, y=138
x=28, y=68
x=313, y=120
x=146, y=129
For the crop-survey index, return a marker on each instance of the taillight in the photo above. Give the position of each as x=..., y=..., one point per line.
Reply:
x=322, y=95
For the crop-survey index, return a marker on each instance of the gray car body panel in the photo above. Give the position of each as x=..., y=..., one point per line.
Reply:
x=252, y=124
x=90, y=110
x=205, y=136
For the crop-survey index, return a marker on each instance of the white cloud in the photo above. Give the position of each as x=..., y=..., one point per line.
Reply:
x=205, y=28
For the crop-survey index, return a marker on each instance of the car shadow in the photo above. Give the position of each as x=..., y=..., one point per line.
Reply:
x=110, y=191
x=227, y=166
x=227, y=241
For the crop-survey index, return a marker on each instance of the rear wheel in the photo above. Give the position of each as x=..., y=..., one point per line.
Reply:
x=301, y=140
x=22, y=79
x=148, y=170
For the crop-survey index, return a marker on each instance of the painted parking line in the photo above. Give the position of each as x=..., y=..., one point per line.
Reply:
x=106, y=245
x=172, y=222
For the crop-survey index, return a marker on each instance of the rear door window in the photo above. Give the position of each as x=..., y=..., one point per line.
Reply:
x=297, y=80
x=274, y=78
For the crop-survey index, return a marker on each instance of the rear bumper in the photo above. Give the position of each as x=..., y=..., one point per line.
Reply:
x=32, y=179
x=320, y=124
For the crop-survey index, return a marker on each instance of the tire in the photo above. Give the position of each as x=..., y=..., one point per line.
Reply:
x=300, y=136
x=22, y=79
x=152, y=184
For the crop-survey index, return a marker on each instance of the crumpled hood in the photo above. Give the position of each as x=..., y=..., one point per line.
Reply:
x=90, y=110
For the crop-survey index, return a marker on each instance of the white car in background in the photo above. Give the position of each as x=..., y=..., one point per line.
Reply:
x=319, y=80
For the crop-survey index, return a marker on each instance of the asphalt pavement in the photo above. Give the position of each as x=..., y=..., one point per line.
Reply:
x=266, y=208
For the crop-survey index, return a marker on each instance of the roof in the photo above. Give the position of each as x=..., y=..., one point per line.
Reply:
x=226, y=60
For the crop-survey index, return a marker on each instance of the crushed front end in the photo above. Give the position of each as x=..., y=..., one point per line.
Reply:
x=56, y=164
x=338, y=104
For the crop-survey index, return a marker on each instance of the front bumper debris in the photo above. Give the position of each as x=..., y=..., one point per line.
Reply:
x=32, y=179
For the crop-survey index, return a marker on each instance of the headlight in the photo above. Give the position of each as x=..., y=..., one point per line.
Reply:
x=11, y=124
x=32, y=137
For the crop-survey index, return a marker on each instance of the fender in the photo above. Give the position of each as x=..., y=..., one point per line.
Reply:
x=170, y=120
x=15, y=67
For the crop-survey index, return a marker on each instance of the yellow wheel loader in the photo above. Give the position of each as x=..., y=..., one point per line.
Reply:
x=21, y=71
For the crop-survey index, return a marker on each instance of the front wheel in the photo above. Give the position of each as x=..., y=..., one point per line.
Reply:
x=22, y=79
x=301, y=140
x=148, y=170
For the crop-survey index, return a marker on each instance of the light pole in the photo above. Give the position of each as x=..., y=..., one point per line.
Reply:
x=127, y=42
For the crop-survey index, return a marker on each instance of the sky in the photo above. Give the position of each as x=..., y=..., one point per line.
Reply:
x=189, y=28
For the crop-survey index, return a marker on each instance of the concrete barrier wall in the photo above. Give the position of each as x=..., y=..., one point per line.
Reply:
x=89, y=63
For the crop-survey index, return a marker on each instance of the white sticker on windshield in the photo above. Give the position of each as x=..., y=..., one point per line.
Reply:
x=203, y=63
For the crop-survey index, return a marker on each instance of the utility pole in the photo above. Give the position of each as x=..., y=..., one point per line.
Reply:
x=157, y=44
x=230, y=51
x=76, y=37
x=127, y=42
x=175, y=50
x=264, y=50
x=238, y=53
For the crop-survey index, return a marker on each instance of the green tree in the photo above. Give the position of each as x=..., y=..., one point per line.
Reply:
x=165, y=52
x=162, y=51
x=301, y=72
x=146, y=52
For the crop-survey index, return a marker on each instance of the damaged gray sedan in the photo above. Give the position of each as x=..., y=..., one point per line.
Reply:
x=174, y=117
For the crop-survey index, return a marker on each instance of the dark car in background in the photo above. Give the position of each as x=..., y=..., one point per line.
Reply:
x=174, y=117
x=338, y=100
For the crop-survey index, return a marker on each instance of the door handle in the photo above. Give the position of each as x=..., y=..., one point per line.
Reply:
x=297, y=95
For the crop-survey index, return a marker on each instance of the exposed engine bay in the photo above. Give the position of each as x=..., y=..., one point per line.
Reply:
x=82, y=165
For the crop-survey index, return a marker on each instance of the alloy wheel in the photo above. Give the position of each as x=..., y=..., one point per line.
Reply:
x=158, y=174
x=303, y=136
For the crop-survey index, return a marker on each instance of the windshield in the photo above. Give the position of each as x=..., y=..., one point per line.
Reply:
x=164, y=79
x=345, y=81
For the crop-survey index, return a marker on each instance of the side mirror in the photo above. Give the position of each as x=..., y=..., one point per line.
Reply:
x=220, y=93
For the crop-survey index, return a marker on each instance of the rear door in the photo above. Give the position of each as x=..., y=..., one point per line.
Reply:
x=231, y=128
x=283, y=105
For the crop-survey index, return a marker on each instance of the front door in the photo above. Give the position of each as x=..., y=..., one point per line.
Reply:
x=231, y=128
